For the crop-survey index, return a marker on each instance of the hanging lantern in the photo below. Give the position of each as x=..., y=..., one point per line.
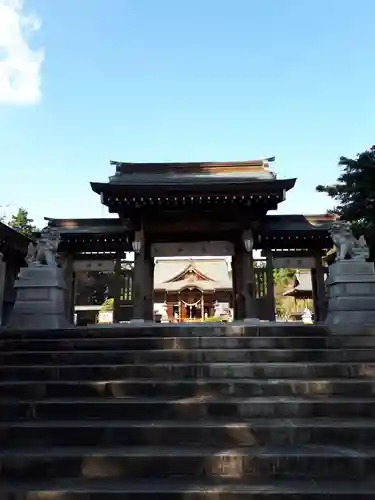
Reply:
x=248, y=240
x=137, y=243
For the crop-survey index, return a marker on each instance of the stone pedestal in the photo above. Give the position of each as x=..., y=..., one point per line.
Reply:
x=351, y=304
x=41, y=299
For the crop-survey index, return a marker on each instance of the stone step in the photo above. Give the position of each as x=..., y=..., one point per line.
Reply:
x=191, y=342
x=195, y=463
x=194, y=408
x=187, y=370
x=347, y=341
x=174, y=330
x=184, y=356
x=182, y=388
x=219, y=412
x=134, y=343
x=231, y=433
x=174, y=489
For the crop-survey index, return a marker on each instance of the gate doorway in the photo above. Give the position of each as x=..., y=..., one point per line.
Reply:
x=300, y=292
x=194, y=285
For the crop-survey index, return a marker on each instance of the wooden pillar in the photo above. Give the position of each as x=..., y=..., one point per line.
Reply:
x=73, y=298
x=116, y=288
x=317, y=276
x=143, y=284
x=314, y=293
x=70, y=288
x=2, y=285
x=249, y=285
x=138, y=285
x=9, y=291
x=244, y=284
x=234, y=288
x=67, y=264
x=270, y=287
x=238, y=300
x=148, y=284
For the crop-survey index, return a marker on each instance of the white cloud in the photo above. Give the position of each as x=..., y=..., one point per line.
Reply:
x=20, y=66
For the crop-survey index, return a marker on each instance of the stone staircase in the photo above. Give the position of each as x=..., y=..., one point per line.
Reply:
x=187, y=412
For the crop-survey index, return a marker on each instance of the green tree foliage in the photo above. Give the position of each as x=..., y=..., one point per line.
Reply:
x=283, y=276
x=22, y=223
x=108, y=304
x=354, y=193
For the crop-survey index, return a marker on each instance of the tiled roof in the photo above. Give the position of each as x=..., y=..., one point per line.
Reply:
x=302, y=284
x=12, y=239
x=216, y=269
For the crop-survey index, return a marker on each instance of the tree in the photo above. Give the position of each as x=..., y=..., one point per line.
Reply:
x=108, y=304
x=283, y=276
x=354, y=193
x=22, y=223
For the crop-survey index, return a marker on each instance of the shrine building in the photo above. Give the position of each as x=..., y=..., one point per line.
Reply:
x=193, y=289
x=178, y=210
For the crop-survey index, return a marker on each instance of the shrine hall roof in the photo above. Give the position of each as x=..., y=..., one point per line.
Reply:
x=302, y=285
x=216, y=274
x=182, y=174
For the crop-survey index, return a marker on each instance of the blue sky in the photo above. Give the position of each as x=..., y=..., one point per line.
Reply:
x=176, y=80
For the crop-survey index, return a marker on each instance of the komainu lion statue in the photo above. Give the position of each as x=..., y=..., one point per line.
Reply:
x=346, y=245
x=45, y=250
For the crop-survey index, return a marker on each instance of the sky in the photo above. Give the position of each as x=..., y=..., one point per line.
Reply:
x=83, y=82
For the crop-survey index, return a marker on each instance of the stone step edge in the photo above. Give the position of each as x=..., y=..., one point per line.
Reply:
x=287, y=487
x=153, y=332
x=192, y=381
x=191, y=400
x=56, y=339
x=282, y=423
x=180, y=326
x=263, y=452
x=196, y=350
x=196, y=364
